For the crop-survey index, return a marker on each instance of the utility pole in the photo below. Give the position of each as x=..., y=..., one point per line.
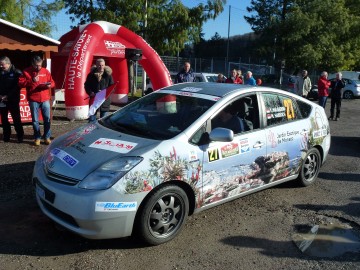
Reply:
x=144, y=37
x=228, y=43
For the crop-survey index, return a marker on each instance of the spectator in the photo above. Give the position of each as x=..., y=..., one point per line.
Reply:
x=323, y=89
x=221, y=78
x=234, y=78
x=239, y=74
x=185, y=75
x=303, y=84
x=336, y=95
x=9, y=99
x=99, y=78
x=249, y=79
x=38, y=82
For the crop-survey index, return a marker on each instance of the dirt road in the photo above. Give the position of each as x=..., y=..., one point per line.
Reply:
x=254, y=232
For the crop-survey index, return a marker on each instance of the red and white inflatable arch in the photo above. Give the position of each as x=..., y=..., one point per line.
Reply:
x=85, y=43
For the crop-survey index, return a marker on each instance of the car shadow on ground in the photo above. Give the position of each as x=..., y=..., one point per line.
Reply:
x=350, y=146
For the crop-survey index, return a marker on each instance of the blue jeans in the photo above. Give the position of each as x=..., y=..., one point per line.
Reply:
x=45, y=111
x=322, y=101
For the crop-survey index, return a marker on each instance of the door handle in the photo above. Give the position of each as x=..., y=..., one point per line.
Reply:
x=258, y=144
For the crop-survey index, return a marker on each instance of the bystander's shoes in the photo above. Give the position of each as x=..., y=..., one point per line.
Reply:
x=37, y=142
x=47, y=141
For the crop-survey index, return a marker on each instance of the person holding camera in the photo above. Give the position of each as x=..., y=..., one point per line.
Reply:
x=38, y=82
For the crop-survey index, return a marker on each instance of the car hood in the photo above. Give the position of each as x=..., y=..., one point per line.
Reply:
x=78, y=153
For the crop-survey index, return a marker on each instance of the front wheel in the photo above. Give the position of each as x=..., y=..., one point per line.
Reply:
x=163, y=215
x=348, y=95
x=310, y=168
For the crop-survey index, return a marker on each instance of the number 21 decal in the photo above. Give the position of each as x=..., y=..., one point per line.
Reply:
x=213, y=154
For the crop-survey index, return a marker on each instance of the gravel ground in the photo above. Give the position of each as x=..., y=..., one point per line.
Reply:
x=254, y=232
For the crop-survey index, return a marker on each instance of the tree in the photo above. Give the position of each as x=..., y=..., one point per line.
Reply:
x=27, y=13
x=169, y=24
x=312, y=34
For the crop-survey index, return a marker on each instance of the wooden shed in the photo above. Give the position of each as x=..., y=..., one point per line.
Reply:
x=20, y=44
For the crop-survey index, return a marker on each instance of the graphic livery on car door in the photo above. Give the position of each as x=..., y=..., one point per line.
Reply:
x=286, y=133
x=230, y=168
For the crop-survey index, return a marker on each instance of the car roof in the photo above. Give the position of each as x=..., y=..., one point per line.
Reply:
x=208, y=88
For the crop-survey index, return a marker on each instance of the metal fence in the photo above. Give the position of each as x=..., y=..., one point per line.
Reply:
x=212, y=65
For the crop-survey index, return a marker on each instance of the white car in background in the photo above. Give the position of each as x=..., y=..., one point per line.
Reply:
x=200, y=77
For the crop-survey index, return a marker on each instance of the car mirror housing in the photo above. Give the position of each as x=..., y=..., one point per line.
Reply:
x=221, y=135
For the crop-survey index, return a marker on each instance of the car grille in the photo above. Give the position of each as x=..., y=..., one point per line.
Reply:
x=59, y=214
x=61, y=179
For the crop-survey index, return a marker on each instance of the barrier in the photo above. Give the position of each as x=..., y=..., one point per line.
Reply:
x=81, y=46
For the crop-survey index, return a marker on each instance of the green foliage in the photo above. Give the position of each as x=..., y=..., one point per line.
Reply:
x=169, y=24
x=35, y=15
x=312, y=34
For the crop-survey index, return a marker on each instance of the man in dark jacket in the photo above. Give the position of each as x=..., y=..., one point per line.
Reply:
x=185, y=75
x=336, y=95
x=9, y=99
x=98, y=79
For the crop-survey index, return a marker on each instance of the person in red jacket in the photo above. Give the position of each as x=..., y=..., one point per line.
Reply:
x=234, y=78
x=38, y=82
x=323, y=89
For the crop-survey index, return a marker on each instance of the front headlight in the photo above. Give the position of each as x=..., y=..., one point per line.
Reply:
x=109, y=173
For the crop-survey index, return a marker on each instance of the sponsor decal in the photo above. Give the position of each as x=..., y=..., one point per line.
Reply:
x=191, y=89
x=319, y=133
x=64, y=157
x=113, y=145
x=78, y=136
x=244, y=145
x=115, y=206
x=213, y=154
x=193, y=155
x=287, y=136
x=229, y=150
x=114, y=47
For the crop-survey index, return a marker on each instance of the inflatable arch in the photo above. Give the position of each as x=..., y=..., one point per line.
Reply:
x=105, y=40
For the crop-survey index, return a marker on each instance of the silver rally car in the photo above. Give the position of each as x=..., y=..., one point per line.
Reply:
x=142, y=170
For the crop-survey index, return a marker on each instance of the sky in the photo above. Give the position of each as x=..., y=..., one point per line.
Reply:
x=221, y=25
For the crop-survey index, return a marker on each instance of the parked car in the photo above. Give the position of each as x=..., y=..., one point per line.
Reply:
x=313, y=94
x=200, y=77
x=145, y=168
x=351, y=89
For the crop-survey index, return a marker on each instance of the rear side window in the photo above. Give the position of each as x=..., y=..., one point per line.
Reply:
x=280, y=109
x=304, y=108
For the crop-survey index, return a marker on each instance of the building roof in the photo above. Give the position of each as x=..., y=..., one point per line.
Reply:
x=15, y=37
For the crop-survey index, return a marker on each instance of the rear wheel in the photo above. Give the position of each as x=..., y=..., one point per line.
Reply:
x=163, y=215
x=310, y=168
x=348, y=95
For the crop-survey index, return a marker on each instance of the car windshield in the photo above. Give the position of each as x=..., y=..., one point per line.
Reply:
x=158, y=116
x=211, y=78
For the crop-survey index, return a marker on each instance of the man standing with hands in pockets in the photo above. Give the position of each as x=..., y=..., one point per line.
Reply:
x=38, y=83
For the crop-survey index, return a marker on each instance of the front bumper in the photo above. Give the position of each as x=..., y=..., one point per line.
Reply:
x=83, y=211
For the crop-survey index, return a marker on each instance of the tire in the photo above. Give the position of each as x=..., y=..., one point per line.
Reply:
x=348, y=95
x=163, y=215
x=310, y=168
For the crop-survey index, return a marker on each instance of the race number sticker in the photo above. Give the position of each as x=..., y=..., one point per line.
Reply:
x=213, y=154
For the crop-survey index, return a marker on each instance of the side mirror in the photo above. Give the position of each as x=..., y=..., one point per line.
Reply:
x=221, y=135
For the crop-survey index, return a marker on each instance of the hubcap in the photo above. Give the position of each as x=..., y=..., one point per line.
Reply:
x=166, y=216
